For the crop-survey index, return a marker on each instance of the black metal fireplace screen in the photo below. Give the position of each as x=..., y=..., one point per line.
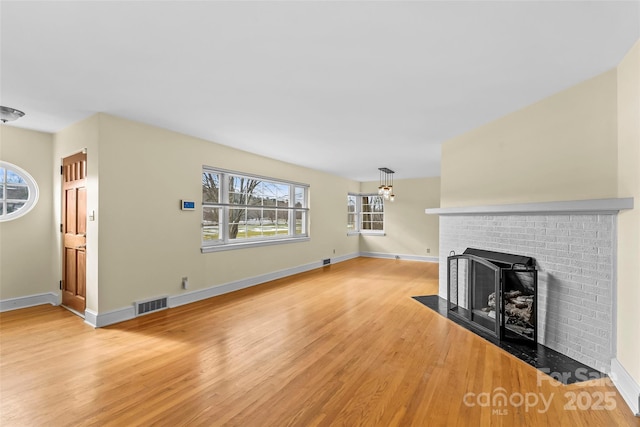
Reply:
x=494, y=293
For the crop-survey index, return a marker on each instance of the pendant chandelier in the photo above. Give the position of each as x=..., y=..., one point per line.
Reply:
x=385, y=188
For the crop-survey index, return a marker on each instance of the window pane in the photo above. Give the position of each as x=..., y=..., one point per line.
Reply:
x=255, y=198
x=1, y=192
x=237, y=231
x=210, y=187
x=372, y=204
x=299, y=197
x=269, y=222
x=351, y=222
x=351, y=204
x=377, y=204
x=211, y=223
x=268, y=216
x=254, y=216
x=237, y=223
x=253, y=227
x=237, y=215
x=235, y=184
x=1, y=174
x=351, y=212
x=243, y=191
x=17, y=192
x=14, y=177
x=300, y=222
x=14, y=206
x=282, y=226
x=275, y=194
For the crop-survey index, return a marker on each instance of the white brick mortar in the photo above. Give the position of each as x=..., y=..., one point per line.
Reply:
x=575, y=256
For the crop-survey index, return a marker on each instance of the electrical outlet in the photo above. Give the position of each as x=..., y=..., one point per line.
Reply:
x=185, y=283
x=428, y=250
x=334, y=251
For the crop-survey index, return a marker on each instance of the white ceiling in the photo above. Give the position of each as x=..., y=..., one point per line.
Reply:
x=343, y=87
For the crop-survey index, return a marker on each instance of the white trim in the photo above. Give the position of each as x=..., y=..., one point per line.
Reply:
x=595, y=206
x=400, y=257
x=98, y=320
x=200, y=294
x=252, y=244
x=91, y=318
x=215, y=169
x=626, y=385
x=29, y=301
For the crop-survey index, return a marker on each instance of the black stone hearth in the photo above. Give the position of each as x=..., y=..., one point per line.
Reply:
x=561, y=367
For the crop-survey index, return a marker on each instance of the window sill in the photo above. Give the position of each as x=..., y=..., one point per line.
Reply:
x=367, y=233
x=243, y=245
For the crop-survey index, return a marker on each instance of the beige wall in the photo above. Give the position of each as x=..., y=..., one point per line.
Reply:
x=560, y=148
x=628, y=316
x=147, y=244
x=27, y=243
x=408, y=231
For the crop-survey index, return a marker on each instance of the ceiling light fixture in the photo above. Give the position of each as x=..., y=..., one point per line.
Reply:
x=385, y=188
x=8, y=114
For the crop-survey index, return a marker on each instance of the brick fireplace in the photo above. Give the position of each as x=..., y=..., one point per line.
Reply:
x=574, y=244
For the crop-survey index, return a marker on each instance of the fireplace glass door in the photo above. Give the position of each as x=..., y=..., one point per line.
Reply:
x=519, y=304
x=473, y=292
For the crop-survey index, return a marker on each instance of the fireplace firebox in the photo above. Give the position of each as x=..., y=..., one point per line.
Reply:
x=494, y=293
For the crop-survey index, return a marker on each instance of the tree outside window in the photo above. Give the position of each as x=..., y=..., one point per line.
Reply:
x=239, y=208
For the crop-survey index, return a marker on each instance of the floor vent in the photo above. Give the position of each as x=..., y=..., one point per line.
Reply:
x=326, y=261
x=144, y=307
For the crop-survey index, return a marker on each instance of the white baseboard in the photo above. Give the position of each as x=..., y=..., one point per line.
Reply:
x=29, y=301
x=200, y=294
x=400, y=257
x=98, y=320
x=626, y=385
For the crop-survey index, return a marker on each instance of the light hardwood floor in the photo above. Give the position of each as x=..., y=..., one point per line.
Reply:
x=341, y=345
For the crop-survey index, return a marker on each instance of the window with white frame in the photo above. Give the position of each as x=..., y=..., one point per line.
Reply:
x=240, y=210
x=365, y=214
x=18, y=191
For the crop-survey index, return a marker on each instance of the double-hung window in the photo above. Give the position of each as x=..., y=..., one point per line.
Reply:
x=365, y=214
x=240, y=210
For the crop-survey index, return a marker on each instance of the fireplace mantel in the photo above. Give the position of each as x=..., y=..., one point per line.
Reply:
x=593, y=206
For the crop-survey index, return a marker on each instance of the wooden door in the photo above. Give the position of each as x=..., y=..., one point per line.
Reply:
x=74, y=229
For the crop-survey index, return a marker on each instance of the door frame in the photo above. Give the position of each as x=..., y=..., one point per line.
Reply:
x=62, y=209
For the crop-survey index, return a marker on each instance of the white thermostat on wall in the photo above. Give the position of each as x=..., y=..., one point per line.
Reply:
x=187, y=205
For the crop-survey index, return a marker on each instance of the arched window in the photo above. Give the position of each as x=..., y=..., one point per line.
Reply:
x=18, y=191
